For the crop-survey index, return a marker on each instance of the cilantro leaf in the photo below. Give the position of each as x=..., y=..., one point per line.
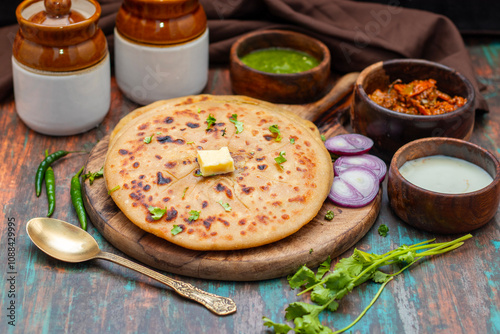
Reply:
x=380, y=277
x=278, y=328
x=275, y=129
x=194, y=215
x=300, y=309
x=280, y=159
x=237, y=124
x=338, y=280
x=148, y=140
x=226, y=206
x=92, y=176
x=292, y=140
x=323, y=268
x=321, y=296
x=329, y=215
x=383, y=230
x=156, y=213
x=304, y=276
x=176, y=229
x=210, y=121
x=223, y=132
x=323, y=138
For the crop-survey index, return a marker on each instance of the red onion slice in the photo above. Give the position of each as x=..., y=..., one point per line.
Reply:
x=349, y=144
x=354, y=188
x=369, y=161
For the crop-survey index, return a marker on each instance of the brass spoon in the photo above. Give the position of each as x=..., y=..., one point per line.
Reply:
x=69, y=243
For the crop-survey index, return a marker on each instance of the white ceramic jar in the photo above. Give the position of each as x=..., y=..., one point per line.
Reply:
x=161, y=49
x=61, y=66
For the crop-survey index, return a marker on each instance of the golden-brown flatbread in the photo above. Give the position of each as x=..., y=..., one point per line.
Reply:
x=262, y=201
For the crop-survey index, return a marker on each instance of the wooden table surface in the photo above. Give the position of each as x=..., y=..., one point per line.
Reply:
x=454, y=293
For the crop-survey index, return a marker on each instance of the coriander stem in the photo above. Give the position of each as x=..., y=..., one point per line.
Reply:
x=366, y=308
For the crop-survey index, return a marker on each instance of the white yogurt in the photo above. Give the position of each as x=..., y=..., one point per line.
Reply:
x=445, y=174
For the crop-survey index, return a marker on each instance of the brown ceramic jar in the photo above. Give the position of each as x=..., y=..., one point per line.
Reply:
x=161, y=49
x=60, y=65
x=59, y=39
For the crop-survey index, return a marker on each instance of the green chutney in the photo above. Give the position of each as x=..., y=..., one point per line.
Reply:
x=279, y=61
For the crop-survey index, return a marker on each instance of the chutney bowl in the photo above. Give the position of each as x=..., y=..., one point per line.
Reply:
x=442, y=212
x=294, y=88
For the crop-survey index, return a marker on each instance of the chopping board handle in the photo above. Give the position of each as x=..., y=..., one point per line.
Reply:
x=313, y=111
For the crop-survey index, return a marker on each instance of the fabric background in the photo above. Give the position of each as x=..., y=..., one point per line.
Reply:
x=357, y=33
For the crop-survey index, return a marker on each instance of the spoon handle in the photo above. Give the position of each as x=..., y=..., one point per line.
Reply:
x=217, y=304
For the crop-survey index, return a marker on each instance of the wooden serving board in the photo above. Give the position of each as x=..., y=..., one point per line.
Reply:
x=311, y=245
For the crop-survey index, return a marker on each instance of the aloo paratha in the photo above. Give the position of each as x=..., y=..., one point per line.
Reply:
x=152, y=159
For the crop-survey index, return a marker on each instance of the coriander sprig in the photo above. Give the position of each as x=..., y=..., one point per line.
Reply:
x=348, y=273
x=237, y=124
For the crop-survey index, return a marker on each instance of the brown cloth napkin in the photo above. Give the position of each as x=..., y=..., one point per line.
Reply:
x=358, y=34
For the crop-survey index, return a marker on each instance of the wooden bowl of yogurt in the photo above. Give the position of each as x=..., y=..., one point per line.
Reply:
x=444, y=185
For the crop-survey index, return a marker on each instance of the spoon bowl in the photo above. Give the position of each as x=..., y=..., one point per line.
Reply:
x=61, y=240
x=69, y=243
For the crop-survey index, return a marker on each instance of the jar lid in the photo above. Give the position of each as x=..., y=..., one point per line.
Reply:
x=161, y=21
x=59, y=35
x=56, y=13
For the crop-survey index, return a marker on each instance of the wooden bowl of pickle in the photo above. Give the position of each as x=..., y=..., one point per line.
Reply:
x=401, y=100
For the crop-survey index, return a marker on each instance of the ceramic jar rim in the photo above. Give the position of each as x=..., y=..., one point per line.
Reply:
x=379, y=65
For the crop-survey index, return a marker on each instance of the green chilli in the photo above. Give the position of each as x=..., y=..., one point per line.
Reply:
x=77, y=199
x=42, y=168
x=50, y=188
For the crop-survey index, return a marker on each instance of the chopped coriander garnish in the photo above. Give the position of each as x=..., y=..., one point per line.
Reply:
x=158, y=133
x=148, y=140
x=156, y=213
x=237, y=124
x=190, y=142
x=280, y=159
x=311, y=250
x=194, y=215
x=176, y=230
x=226, y=206
x=198, y=173
x=184, y=192
x=323, y=138
x=210, y=121
x=292, y=140
x=113, y=189
x=91, y=176
x=223, y=132
x=275, y=129
x=383, y=230
x=329, y=215
x=199, y=110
